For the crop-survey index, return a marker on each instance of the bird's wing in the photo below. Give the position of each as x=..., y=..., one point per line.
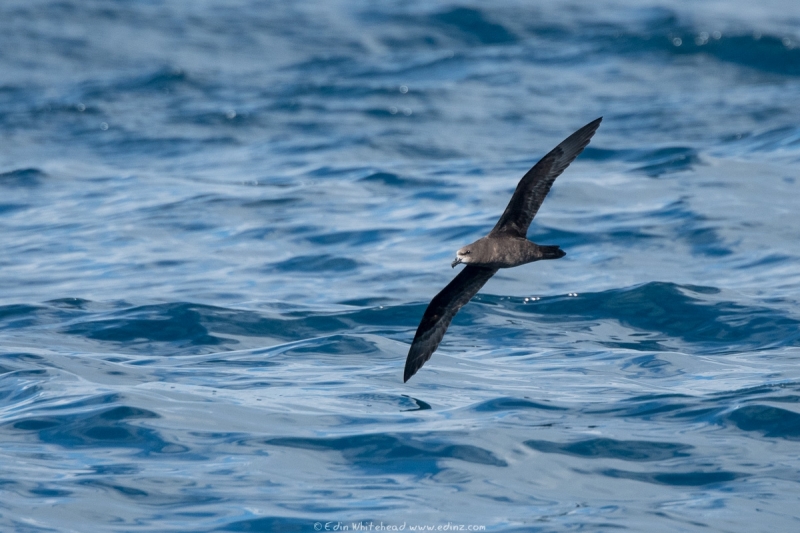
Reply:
x=440, y=312
x=535, y=185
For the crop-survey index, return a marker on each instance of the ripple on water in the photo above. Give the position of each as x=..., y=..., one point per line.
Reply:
x=402, y=453
x=625, y=450
x=108, y=427
x=671, y=312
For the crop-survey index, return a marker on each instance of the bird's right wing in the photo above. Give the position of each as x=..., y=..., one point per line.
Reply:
x=534, y=186
x=440, y=313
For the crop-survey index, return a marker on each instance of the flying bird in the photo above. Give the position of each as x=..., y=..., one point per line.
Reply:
x=506, y=246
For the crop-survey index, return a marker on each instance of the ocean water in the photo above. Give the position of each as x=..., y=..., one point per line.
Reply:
x=221, y=222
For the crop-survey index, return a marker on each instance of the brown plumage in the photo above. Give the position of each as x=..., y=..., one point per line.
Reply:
x=506, y=246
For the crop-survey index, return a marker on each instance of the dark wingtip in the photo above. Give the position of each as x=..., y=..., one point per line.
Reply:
x=586, y=132
x=590, y=129
x=572, y=146
x=413, y=363
x=408, y=373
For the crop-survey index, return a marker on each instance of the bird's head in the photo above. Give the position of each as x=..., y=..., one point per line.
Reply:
x=462, y=256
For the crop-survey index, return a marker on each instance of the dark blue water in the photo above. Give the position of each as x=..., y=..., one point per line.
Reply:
x=221, y=222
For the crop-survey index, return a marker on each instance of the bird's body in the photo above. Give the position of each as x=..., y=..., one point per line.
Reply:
x=506, y=246
x=504, y=251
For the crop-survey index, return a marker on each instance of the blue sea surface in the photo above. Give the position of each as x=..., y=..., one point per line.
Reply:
x=221, y=222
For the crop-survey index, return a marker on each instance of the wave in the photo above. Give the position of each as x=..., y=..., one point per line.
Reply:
x=655, y=316
x=402, y=452
x=23, y=177
x=662, y=313
x=97, y=422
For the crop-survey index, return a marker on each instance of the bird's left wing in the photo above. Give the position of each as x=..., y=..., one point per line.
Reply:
x=440, y=313
x=534, y=186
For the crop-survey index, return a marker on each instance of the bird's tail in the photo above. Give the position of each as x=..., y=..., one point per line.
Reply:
x=551, y=252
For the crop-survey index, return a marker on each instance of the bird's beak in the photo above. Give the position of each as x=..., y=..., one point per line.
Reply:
x=455, y=262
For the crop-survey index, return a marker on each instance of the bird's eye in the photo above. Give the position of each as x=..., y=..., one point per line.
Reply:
x=466, y=252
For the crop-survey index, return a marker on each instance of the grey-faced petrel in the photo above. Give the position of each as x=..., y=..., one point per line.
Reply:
x=505, y=246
